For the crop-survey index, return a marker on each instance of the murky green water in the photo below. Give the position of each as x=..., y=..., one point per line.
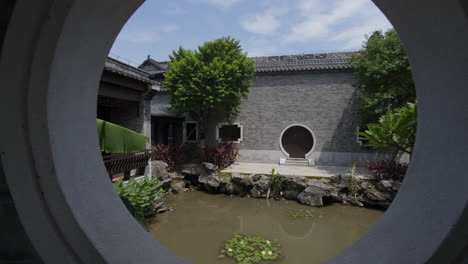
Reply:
x=200, y=224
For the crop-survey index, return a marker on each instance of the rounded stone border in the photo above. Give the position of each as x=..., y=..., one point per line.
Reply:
x=52, y=57
x=301, y=125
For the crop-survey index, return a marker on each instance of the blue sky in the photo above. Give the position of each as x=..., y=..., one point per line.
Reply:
x=264, y=27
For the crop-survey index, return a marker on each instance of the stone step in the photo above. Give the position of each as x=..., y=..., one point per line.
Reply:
x=296, y=162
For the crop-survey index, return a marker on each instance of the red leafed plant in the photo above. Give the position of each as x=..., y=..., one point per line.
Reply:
x=222, y=154
x=166, y=153
x=387, y=169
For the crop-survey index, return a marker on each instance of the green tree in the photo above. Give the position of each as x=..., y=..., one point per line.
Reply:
x=213, y=78
x=396, y=131
x=383, y=76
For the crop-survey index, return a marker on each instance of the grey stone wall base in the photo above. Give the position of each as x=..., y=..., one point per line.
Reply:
x=315, y=158
x=260, y=156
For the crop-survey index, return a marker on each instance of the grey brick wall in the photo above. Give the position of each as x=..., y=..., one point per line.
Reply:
x=321, y=101
x=324, y=102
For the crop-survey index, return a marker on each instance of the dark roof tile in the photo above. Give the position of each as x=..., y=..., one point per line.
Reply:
x=303, y=62
x=118, y=67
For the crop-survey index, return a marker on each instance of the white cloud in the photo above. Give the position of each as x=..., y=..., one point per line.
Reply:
x=175, y=11
x=222, y=3
x=308, y=30
x=261, y=46
x=137, y=36
x=260, y=24
x=169, y=27
x=352, y=38
x=309, y=5
x=344, y=14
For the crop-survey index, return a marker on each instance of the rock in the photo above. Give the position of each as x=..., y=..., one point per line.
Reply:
x=260, y=183
x=316, y=191
x=385, y=186
x=177, y=187
x=191, y=175
x=209, y=177
x=226, y=188
x=231, y=188
x=209, y=167
x=158, y=208
x=159, y=170
x=194, y=171
x=340, y=181
x=241, y=183
x=347, y=199
x=293, y=186
x=166, y=183
x=372, y=193
x=175, y=176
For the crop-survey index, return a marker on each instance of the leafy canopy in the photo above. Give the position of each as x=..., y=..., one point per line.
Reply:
x=383, y=76
x=217, y=75
x=395, y=132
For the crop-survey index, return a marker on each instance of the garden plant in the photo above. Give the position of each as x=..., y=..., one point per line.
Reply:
x=222, y=154
x=276, y=183
x=140, y=197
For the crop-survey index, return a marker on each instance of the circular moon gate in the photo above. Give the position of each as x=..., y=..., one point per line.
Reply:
x=52, y=56
x=297, y=141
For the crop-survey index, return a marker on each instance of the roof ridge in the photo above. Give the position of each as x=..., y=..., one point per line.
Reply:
x=127, y=65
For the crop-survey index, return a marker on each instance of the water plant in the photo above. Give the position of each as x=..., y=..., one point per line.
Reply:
x=250, y=249
x=301, y=213
x=276, y=183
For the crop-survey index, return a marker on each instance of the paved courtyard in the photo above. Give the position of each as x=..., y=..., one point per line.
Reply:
x=307, y=171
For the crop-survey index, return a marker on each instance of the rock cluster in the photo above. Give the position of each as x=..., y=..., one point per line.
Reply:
x=344, y=189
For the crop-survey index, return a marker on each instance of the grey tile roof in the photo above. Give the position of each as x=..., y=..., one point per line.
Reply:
x=303, y=62
x=115, y=66
x=151, y=65
x=162, y=110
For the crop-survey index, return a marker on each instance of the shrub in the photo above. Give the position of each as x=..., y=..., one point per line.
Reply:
x=396, y=131
x=143, y=195
x=222, y=155
x=166, y=153
x=387, y=169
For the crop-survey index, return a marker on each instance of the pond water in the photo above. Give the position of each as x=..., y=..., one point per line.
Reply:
x=201, y=223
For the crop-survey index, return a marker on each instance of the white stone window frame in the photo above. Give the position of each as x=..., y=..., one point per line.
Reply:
x=219, y=125
x=184, y=131
x=357, y=136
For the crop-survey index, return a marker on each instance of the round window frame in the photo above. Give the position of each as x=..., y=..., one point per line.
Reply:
x=308, y=129
x=40, y=41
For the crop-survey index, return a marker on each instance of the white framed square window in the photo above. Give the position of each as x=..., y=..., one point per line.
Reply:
x=190, y=131
x=229, y=132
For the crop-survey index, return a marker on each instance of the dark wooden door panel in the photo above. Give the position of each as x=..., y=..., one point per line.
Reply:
x=297, y=141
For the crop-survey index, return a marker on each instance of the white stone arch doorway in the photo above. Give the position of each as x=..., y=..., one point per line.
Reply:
x=303, y=149
x=69, y=211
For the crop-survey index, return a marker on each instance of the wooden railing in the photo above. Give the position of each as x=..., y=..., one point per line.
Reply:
x=125, y=162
